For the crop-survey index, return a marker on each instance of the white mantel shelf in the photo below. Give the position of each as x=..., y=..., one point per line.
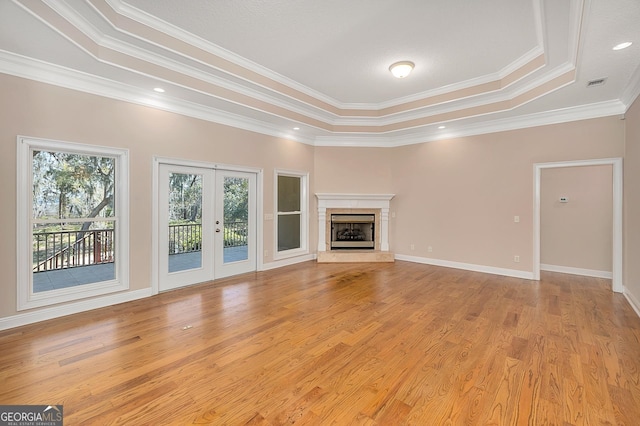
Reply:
x=353, y=201
x=337, y=198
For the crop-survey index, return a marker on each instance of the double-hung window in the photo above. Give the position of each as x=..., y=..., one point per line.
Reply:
x=292, y=218
x=72, y=221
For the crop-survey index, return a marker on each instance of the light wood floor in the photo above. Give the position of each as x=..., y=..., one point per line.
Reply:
x=385, y=343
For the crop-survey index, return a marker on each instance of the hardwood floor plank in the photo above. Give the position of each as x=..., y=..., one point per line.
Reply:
x=371, y=344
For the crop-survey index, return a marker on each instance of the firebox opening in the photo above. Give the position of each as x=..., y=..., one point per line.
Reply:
x=352, y=231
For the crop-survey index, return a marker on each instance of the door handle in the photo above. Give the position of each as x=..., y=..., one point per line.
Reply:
x=217, y=229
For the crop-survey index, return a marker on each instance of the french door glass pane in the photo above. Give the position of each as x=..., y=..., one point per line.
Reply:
x=288, y=232
x=185, y=221
x=236, y=216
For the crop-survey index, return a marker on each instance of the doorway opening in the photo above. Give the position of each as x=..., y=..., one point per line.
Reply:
x=616, y=164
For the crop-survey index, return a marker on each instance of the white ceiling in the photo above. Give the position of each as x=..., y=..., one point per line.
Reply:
x=322, y=66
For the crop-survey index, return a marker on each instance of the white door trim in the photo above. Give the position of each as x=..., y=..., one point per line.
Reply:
x=157, y=160
x=617, y=285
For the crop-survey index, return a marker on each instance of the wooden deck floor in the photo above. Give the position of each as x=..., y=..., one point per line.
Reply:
x=384, y=343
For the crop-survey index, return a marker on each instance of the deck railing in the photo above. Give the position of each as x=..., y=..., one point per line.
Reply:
x=70, y=249
x=187, y=238
x=235, y=233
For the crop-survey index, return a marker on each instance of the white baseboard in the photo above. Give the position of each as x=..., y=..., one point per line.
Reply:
x=468, y=266
x=72, y=308
x=289, y=261
x=632, y=301
x=576, y=271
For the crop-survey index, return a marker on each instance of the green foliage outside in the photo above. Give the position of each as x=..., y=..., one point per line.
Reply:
x=185, y=212
x=70, y=186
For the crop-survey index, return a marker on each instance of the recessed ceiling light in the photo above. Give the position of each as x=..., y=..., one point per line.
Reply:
x=159, y=89
x=401, y=69
x=622, y=45
x=296, y=128
x=441, y=127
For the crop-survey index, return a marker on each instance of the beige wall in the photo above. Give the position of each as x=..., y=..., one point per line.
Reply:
x=33, y=109
x=578, y=233
x=458, y=196
x=473, y=187
x=353, y=170
x=632, y=203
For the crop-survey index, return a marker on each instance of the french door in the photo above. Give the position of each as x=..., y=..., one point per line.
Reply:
x=206, y=224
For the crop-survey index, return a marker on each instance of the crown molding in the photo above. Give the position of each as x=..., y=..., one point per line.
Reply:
x=24, y=67
x=578, y=26
x=287, y=103
x=470, y=102
x=489, y=78
x=32, y=69
x=77, y=20
x=268, y=95
x=431, y=134
x=275, y=99
x=583, y=112
x=143, y=18
x=632, y=91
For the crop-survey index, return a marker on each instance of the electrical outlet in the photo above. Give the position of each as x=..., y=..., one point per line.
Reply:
x=516, y=258
x=516, y=219
x=430, y=249
x=413, y=246
x=266, y=253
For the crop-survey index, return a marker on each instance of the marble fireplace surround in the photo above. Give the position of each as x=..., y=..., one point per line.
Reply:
x=377, y=204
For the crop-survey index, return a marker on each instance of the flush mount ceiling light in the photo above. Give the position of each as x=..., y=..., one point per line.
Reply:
x=159, y=89
x=622, y=45
x=401, y=69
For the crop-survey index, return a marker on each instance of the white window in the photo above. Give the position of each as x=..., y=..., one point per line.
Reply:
x=72, y=221
x=292, y=219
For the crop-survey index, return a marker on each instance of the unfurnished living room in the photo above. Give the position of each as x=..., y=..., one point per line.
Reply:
x=320, y=212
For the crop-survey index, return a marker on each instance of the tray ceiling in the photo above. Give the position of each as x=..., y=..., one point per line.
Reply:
x=322, y=67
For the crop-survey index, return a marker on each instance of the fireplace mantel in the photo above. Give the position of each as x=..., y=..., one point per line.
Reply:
x=353, y=201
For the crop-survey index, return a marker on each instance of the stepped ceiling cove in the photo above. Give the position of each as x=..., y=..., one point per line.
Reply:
x=318, y=71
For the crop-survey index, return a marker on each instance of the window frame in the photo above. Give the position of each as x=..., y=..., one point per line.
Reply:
x=304, y=214
x=26, y=298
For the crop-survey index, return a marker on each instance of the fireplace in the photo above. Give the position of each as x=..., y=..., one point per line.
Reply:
x=353, y=228
x=353, y=231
